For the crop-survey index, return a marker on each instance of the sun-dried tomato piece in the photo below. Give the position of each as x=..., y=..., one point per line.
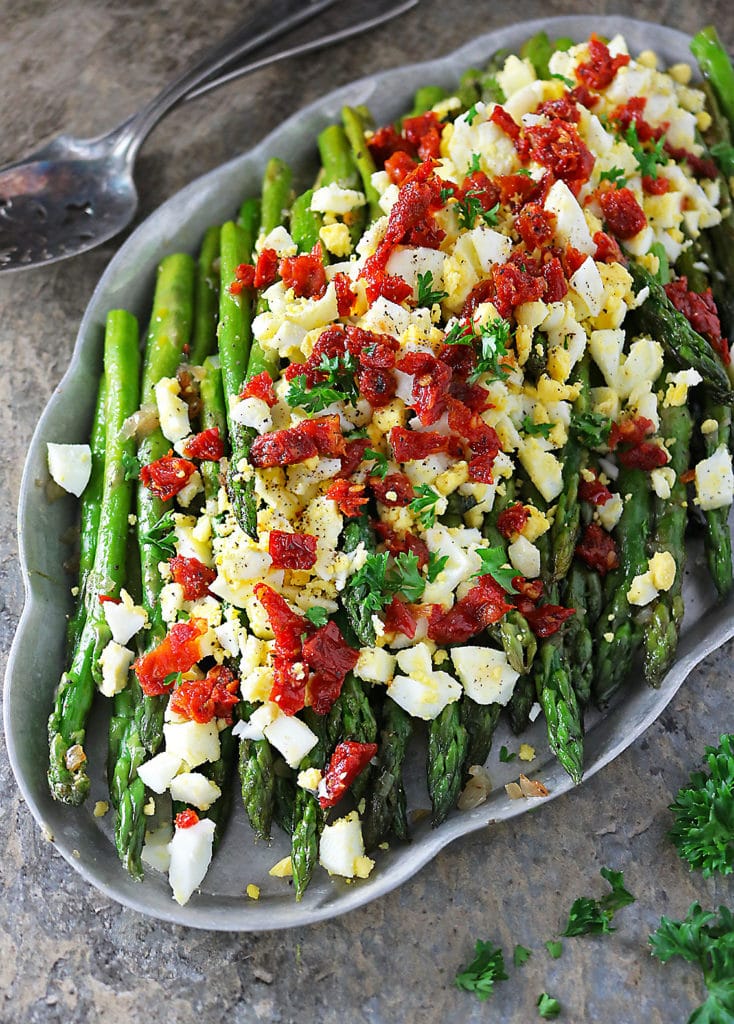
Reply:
x=482, y=188
x=555, y=280
x=599, y=71
x=645, y=455
x=631, y=430
x=260, y=386
x=266, y=268
x=417, y=200
x=547, y=619
x=512, y=520
x=290, y=677
x=482, y=439
x=347, y=762
x=179, y=651
x=598, y=549
x=594, y=491
x=573, y=259
x=207, y=446
x=395, y=490
x=481, y=469
x=288, y=626
x=484, y=604
x=517, y=189
x=349, y=497
x=377, y=386
x=630, y=113
x=431, y=380
x=305, y=274
x=424, y=132
x=513, y=286
x=399, y=617
x=386, y=141
x=186, y=819
x=282, y=448
x=624, y=215
x=201, y=700
x=607, y=249
x=506, y=123
x=292, y=550
x=397, y=544
x=655, y=186
x=167, y=476
x=408, y=445
x=565, y=109
x=559, y=147
x=193, y=575
x=702, y=167
x=701, y=313
x=532, y=590
x=535, y=225
x=398, y=166
x=326, y=434
x=345, y=294
x=353, y=455
x=374, y=351
x=329, y=657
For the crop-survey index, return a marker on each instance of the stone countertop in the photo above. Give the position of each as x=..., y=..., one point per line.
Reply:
x=69, y=954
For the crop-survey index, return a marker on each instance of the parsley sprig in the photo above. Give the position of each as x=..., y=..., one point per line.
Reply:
x=423, y=506
x=647, y=159
x=594, y=917
x=494, y=564
x=131, y=466
x=493, y=339
x=616, y=175
x=381, y=466
x=487, y=967
x=470, y=209
x=436, y=565
x=426, y=294
x=536, y=429
x=705, y=939
x=162, y=533
x=703, y=830
x=590, y=428
x=405, y=577
x=339, y=385
x=317, y=615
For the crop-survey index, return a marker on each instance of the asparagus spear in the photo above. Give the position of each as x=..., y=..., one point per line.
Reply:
x=351, y=718
x=716, y=67
x=385, y=805
x=718, y=535
x=308, y=818
x=338, y=166
x=354, y=128
x=67, y=773
x=480, y=722
x=583, y=592
x=538, y=50
x=168, y=334
x=213, y=414
x=561, y=708
x=448, y=742
x=127, y=791
x=257, y=778
x=567, y=521
x=206, y=298
x=90, y=505
x=660, y=637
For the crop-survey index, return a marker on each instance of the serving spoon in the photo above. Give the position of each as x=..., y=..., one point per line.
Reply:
x=74, y=194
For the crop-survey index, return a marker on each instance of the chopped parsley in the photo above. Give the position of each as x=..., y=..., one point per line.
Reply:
x=493, y=338
x=339, y=385
x=703, y=812
x=162, y=533
x=405, y=577
x=317, y=615
x=487, y=967
x=505, y=755
x=594, y=917
x=131, y=466
x=470, y=209
x=436, y=565
x=705, y=939
x=615, y=175
x=371, y=582
x=590, y=428
x=381, y=466
x=548, y=1007
x=445, y=194
x=536, y=429
x=554, y=947
x=494, y=564
x=426, y=295
x=568, y=82
x=521, y=955
x=473, y=164
x=647, y=159
x=460, y=334
x=424, y=505
x=471, y=114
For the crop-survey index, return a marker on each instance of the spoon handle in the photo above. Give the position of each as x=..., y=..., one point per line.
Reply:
x=279, y=16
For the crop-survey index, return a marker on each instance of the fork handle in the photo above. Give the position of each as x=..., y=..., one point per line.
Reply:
x=280, y=16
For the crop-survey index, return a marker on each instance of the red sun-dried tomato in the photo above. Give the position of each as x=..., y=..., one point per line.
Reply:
x=701, y=313
x=655, y=186
x=244, y=278
x=393, y=288
x=645, y=455
x=289, y=673
x=512, y=520
x=347, y=762
x=290, y=677
x=598, y=550
x=329, y=657
x=599, y=71
x=431, y=379
x=535, y=225
x=108, y=599
x=565, y=109
x=573, y=259
x=186, y=819
x=399, y=617
x=398, y=166
x=305, y=274
x=395, y=490
x=559, y=147
x=481, y=438
x=179, y=651
x=630, y=113
x=481, y=469
x=266, y=268
x=167, y=476
x=418, y=199
x=555, y=280
x=193, y=575
x=349, y=497
x=345, y=294
x=326, y=434
x=514, y=286
x=607, y=249
x=517, y=189
x=623, y=214
x=387, y=141
x=408, y=445
x=481, y=187
x=547, y=619
x=377, y=386
x=292, y=550
x=260, y=386
x=702, y=167
x=424, y=131
x=530, y=589
x=353, y=456
x=594, y=491
x=484, y=604
x=374, y=351
x=631, y=430
x=207, y=446
x=506, y=123
x=319, y=436
x=396, y=544
x=201, y=700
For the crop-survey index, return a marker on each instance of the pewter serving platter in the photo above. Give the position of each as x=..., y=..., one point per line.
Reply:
x=37, y=655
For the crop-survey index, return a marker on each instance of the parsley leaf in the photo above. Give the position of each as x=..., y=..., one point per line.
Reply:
x=590, y=428
x=424, y=505
x=339, y=385
x=162, y=534
x=707, y=940
x=505, y=755
x=548, y=1007
x=471, y=114
x=494, y=564
x=487, y=967
x=723, y=154
x=524, y=172
x=445, y=194
x=427, y=297
x=381, y=466
x=460, y=334
x=470, y=208
x=372, y=584
x=647, y=160
x=554, y=947
x=473, y=163
x=568, y=82
x=521, y=955
x=536, y=429
x=593, y=917
x=436, y=565
x=131, y=465
x=493, y=338
x=703, y=812
x=405, y=578
x=615, y=175
x=317, y=615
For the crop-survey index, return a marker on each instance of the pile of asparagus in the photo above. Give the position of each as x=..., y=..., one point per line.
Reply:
x=198, y=327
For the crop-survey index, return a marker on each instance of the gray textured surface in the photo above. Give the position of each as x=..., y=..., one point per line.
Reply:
x=66, y=953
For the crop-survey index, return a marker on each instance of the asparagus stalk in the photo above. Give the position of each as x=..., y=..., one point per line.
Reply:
x=560, y=705
x=257, y=778
x=716, y=67
x=385, y=804
x=308, y=817
x=354, y=128
x=127, y=791
x=718, y=535
x=351, y=718
x=206, y=298
x=480, y=722
x=213, y=414
x=67, y=771
x=448, y=743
